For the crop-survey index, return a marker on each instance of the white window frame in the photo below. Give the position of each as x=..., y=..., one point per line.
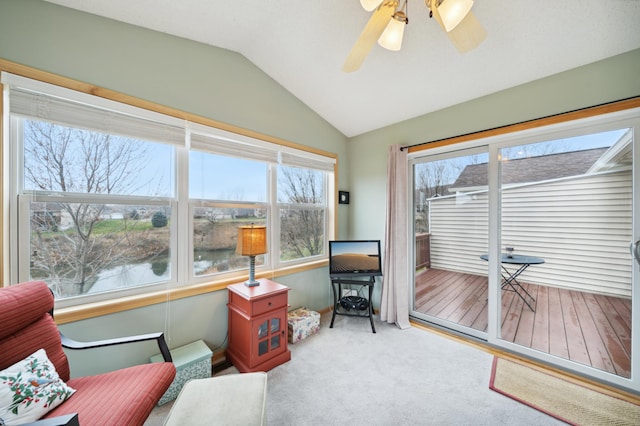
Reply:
x=181, y=206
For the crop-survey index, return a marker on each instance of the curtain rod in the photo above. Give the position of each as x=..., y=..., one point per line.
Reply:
x=402, y=148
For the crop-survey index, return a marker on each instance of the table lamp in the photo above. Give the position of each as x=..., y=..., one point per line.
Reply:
x=252, y=241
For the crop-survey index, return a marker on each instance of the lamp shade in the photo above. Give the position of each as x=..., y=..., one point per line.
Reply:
x=452, y=12
x=369, y=5
x=252, y=240
x=391, y=38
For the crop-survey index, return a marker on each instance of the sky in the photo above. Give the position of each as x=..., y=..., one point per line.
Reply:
x=455, y=165
x=217, y=177
x=229, y=178
x=577, y=143
x=362, y=247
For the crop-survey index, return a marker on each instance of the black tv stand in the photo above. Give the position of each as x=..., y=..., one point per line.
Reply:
x=352, y=306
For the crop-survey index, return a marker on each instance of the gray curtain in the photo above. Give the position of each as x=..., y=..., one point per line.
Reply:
x=394, y=301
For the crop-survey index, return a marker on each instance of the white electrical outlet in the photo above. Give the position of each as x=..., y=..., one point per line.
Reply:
x=347, y=292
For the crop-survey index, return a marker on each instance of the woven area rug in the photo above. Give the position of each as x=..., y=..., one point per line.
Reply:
x=566, y=401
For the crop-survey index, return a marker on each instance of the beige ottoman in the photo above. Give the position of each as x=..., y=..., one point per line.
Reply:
x=231, y=399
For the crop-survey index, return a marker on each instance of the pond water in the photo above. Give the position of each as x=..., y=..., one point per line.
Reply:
x=205, y=259
x=153, y=272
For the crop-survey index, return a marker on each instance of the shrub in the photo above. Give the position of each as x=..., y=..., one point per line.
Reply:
x=159, y=220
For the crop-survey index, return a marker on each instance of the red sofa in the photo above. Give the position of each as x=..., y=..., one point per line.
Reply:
x=122, y=397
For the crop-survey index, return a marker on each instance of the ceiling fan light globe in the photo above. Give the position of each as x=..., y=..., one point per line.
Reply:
x=391, y=38
x=453, y=12
x=369, y=5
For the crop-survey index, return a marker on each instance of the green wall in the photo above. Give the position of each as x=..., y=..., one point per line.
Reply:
x=601, y=82
x=605, y=81
x=226, y=87
x=211, y=82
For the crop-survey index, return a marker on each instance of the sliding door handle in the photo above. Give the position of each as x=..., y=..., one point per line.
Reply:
x=634, y=247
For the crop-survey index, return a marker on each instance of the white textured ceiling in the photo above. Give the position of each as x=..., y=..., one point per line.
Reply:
x=302, y=44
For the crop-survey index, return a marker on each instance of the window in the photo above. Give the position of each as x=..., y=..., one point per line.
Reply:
x=302, y=208
x=240, y=182
x=101, y=188
x=225, y=192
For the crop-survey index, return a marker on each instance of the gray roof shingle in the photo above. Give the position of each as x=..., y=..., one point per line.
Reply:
x=532, y=169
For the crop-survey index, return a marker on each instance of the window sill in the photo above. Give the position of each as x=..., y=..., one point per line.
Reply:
x=92, y=310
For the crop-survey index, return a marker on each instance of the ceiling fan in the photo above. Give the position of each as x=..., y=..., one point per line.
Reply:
x=387, y=23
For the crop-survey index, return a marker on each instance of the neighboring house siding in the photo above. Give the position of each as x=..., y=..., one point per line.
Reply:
x=458, y=227
x=580, y=226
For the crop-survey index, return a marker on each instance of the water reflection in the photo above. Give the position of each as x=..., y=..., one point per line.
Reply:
x=134, y=275
x=130, y=276
x=210, y=261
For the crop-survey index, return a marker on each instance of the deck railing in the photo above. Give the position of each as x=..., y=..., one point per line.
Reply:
x=423, y=250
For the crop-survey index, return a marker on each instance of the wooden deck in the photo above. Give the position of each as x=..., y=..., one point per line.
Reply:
x=589, y=329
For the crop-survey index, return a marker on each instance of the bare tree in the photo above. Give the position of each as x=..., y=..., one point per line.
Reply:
x=69, y=160
x=433, y=178
x=212, y=215
x=302, y=223
x=538, y=149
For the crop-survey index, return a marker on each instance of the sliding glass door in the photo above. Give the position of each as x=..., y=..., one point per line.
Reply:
x=526, y=240
x=566, y=270
x=451, y=222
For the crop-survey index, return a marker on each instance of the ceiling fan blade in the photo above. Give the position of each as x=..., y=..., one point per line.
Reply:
x=468, y=34
x=371, y=33
x=436, y=14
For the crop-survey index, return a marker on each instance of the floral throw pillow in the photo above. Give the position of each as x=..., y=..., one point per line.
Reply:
x=29, y=389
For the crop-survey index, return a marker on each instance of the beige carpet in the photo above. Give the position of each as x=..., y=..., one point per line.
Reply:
x=559, y=398
x=348, y=375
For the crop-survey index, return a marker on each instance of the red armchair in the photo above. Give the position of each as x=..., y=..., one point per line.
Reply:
x=122, y=397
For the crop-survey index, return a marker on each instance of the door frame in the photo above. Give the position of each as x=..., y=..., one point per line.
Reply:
x=621, y=114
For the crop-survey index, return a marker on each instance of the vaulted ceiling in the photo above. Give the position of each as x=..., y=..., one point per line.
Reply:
x=303, y=45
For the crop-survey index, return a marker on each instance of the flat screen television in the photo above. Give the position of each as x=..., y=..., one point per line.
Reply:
x=354, y=258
